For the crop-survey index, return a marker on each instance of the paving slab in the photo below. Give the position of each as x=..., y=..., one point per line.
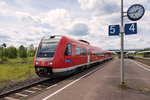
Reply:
x=102, y=84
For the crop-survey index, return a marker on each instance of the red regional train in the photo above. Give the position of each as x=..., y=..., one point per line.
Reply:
x=60, y=55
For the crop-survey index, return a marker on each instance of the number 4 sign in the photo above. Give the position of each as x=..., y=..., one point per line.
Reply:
x=130, y=28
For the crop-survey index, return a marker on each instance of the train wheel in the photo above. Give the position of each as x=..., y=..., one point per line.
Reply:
x=79, y=69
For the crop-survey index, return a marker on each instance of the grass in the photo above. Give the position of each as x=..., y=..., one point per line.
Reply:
x=142, y=87
x=124, y=86
x=141, y=55
x=25, y=60
x=114, y=55
x=13, y=71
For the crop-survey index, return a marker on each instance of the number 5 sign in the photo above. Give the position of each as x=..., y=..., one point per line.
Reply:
x=130, y=28
x=114, y=30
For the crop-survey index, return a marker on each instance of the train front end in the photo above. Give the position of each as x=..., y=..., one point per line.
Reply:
x=43, y=61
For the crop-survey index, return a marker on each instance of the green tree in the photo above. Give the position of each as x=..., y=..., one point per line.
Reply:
x=6, y=52
x=146, y=49
x=22, y=51
x=11, y=52
x=0, y=54
x=31, y=50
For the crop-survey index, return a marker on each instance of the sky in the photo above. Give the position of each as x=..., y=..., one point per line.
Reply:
x=25, y=22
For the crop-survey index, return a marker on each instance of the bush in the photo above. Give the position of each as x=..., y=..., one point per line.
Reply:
x=5, y=59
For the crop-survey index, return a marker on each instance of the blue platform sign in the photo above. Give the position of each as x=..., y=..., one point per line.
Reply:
x=114, y=30
x=130, y=28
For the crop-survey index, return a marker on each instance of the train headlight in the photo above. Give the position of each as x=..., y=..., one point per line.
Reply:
x=37, y=63
x=49, y=63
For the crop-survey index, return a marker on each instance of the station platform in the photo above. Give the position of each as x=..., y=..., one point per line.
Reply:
x=102, y=83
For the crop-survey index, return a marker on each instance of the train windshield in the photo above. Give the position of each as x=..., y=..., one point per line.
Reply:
x=47, y=49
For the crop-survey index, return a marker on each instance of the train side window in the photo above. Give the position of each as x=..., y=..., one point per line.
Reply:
x=77, y=51
x=68, y=51
x=93, y=52
x=83, y=51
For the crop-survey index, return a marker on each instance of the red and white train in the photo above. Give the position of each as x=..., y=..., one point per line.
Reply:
x=61, y=55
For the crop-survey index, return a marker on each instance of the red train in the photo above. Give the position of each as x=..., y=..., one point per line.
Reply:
x=61, y=55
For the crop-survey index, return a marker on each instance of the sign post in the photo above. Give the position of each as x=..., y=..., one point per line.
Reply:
x=134, y=13
x=122, y=46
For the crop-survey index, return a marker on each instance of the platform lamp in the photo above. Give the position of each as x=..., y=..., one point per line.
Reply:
x=3, y=45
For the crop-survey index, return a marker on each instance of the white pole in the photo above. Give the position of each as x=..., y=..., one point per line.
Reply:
x=122, y=46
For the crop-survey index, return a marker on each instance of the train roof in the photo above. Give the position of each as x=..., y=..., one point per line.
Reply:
x=82, y=42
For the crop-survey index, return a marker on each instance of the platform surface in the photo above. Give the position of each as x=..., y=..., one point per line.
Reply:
x=102, y=84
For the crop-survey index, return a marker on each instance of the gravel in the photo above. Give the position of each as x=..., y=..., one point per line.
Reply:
x=143, y=60
x=16, y=85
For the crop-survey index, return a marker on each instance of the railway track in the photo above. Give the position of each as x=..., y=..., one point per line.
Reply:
x=28, y=90
x=145, y=61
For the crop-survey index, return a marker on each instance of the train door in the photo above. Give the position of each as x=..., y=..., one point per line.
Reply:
x=68, y=56
x=88, y=55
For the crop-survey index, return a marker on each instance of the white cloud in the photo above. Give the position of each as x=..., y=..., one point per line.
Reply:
x=29, y=24
x=79, y=29
x=107, y=12
x=108, y=6
x=57, y=17
x=3, y=4
x=100, y=7
x=27, y=18
x=144, y=23
x=130, y=2
x=136, y=41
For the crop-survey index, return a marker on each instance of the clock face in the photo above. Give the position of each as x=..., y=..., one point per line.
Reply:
x=135, y=12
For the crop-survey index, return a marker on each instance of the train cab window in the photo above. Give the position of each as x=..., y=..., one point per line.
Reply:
x=77, y=51
x=68, y=51
x=83, y=51
x=47, y=48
